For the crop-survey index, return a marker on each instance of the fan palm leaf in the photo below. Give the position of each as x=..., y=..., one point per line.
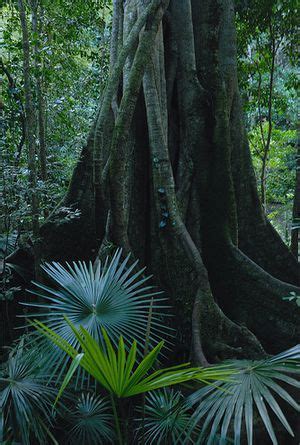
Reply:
x=25, y=399
x=111, y=295
x=90, y=421
x=255, y=389
x=166, y=417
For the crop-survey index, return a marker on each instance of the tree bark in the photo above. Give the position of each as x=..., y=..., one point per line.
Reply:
x=40, y=101
x=173, y=182
x=296, y=211
x=266, y=142
x=30, y=120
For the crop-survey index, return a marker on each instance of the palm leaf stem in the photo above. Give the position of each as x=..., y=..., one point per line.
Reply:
x=116, y=418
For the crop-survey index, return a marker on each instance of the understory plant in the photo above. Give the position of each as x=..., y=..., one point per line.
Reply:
x=123, y=393
x=89, y=421
x=164, y=417
x=110, y=295
x=27, y=412
x=119, y=372
x=25, y=398
x=257, y=389
x=243, y=390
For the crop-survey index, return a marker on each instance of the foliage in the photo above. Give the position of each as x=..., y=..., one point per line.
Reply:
x=281, y=164
x=256, y=389
x=117, y=372
x=254, y=20
x=268, y=80
x=166, y=417
x=69, y=56
x=89, y=422
x=8, y=243
x=25, y=399
x=7, y=246
x=8, y=270
x=110, y=295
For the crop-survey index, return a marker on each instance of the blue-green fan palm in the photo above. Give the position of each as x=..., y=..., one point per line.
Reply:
x=110, y=295
x=257, y=389
x=166, y=417
x=25, y=399
x=90, y=421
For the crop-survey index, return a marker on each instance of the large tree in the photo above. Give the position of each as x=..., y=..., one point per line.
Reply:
x=166, y=173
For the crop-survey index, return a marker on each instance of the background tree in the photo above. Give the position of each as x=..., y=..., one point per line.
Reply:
x=267, y=73
x=30, y=120
x=68, y=57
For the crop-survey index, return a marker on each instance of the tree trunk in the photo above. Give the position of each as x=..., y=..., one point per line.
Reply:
x=37, y=18
x=174, y=183
x=30, y=120
x=266, y=142
x=296, y=211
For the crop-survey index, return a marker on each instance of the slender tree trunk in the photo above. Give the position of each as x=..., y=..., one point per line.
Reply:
x=20, y=115
x=173, y=182
x=30, y=120
x=296, y=211
x=42, y=129
x=40, y=97
x=39, y=87
x=267, y=141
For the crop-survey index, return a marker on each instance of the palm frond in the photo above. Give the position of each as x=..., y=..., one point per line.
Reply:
x=166, y=417
x=90, y=421
x=117, y=370
x=110, y=295
x=255, y=389
x=25, y=399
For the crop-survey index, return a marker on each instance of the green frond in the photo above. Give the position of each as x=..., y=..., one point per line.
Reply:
x=90, y=421
x=25, y=399
x=117, y=370
x=254, y=389
x=166, y=417
x=111, y=295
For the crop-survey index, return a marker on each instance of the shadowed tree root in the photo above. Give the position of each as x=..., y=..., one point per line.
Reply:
x=250, y=295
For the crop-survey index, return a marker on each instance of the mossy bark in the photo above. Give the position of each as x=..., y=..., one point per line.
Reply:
x=175, y=184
